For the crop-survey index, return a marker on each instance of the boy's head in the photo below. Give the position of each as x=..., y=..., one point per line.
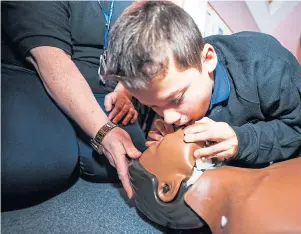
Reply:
x=157, y=51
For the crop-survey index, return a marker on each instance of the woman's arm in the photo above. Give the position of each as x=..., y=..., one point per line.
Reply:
x=69, y=89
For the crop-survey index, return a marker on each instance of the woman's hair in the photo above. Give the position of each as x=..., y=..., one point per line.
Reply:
x=145, y=36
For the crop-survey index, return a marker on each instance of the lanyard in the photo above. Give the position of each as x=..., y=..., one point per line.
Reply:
x=108, y=17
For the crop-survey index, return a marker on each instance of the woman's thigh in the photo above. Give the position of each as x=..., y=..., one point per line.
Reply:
x=39, y=147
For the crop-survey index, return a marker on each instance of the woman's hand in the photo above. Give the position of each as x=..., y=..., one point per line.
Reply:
x=116, y=145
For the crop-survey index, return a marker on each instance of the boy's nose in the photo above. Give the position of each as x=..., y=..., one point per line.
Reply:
x=171, y=116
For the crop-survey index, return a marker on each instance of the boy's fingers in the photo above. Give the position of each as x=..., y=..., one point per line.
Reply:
x=158, y=123
x=108, y=102
x=169, y=128
x=163, y=127
x=222, y=155
x=196, y=137
x=122, y=112
x=195, y=128
x=211, y=151
x=148, y=143
x=154, y=135
x=201, y=125
x=160, y=126
x=116, y=109
x=204, y=136
x=205, y=120
x=129, y=116
x=135, y=117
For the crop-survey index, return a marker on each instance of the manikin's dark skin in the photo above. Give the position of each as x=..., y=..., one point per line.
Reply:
x=170, y=167
x=249, y=201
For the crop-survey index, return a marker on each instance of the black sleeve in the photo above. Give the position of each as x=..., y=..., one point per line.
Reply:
x=32, y=24
x=279, y=136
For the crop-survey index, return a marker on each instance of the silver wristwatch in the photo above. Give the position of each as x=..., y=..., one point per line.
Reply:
x=103, y=131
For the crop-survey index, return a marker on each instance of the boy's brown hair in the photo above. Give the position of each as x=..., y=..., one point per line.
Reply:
x=145, y=36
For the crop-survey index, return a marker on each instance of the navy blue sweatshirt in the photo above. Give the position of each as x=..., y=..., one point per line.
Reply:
x=263, y=100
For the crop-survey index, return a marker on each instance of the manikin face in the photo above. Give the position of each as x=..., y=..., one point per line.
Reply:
x=161, y=177
x=181, y=97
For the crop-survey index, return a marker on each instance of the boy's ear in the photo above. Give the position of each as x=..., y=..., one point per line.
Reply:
x=209, y=58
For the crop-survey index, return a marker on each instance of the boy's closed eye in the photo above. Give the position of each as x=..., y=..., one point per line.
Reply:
x=178, y=100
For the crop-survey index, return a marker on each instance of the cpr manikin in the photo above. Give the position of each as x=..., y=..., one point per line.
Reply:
x=172, y=189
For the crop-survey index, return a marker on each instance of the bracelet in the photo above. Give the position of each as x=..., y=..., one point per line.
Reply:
x=102, y=132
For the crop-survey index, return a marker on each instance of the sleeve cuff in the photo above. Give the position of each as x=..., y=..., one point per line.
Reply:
x=29, y=43
x=247, y=147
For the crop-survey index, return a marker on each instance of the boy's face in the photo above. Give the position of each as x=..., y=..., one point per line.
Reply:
x=181, y=97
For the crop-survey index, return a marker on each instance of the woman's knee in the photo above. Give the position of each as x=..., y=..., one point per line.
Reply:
x=39, y=147
x=136, y=134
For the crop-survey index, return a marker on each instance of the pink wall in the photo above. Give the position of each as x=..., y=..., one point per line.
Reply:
x=288, y=31
x=236, y=15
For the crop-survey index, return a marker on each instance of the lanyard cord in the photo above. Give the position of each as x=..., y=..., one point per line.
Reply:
x=108, y=17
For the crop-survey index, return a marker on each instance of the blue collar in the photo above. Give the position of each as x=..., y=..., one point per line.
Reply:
x=221, y=89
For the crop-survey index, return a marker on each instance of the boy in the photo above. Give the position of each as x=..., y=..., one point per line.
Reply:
x=242, y=92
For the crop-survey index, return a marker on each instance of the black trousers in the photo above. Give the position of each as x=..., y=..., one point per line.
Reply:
x=41, y=146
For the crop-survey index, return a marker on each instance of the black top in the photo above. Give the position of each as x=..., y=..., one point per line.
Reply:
x=75, y=27
x=264, y=101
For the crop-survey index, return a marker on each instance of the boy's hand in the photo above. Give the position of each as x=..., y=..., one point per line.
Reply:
x=161, y=129
x=225, y=140
x=120, y=107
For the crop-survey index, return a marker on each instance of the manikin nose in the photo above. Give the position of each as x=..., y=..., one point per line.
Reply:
x=171, y=116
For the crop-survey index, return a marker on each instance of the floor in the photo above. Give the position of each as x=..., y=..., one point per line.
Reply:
x=84, y=208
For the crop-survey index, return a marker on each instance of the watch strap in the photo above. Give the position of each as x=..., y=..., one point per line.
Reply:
x=102, y=132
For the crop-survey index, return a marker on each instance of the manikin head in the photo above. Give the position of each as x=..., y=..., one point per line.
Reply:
x=157, y=52
x=160, y=179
